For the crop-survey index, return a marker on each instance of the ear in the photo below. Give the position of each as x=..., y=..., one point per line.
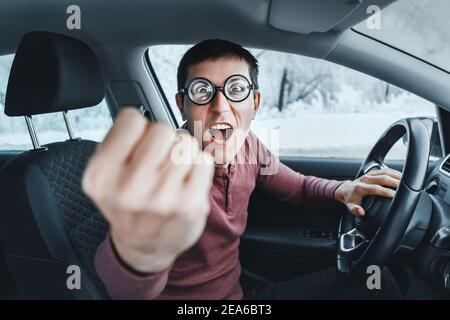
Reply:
x=180, y=103
x=257, y=101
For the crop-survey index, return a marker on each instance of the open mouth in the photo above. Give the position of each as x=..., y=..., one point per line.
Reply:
x=221, y=132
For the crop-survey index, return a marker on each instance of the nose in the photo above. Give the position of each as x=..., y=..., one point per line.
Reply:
x=220, y=103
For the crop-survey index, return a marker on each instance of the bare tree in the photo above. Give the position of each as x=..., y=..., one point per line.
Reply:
x=284, y=90
x=310, y=85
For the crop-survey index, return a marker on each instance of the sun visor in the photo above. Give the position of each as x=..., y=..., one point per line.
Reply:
x=306, y=16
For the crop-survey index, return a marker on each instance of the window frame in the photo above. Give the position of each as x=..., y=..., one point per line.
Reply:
x=162, y=95
x=152, y=74
x=399, y=50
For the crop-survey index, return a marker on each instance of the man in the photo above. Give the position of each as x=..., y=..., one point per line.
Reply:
x=175, y=225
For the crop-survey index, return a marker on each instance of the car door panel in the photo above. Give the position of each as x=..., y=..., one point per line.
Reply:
x=282, y=242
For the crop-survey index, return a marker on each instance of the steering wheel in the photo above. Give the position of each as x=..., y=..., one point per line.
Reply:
x=374, y=238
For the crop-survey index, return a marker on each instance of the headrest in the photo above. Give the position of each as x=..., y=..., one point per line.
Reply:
x=51, y=73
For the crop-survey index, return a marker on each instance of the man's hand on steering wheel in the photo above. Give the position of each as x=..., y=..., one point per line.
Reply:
x=376, y=182
x=373, y=239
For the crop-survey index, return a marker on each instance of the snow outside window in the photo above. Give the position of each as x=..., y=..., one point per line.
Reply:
x=316, y=108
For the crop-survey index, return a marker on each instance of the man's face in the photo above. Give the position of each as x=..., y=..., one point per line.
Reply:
x=205, y=122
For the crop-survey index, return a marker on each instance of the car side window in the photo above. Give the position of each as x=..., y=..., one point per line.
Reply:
x=90, y=123
x=311, y=107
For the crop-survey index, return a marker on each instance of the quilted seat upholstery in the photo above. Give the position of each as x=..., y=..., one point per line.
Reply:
x=44, y=201
x=85, y=226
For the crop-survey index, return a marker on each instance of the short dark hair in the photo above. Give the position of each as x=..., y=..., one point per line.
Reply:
x=214, y=49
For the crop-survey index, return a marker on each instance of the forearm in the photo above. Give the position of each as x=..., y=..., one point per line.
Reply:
x=301, y=190
x=123, y=283
x=318, y=193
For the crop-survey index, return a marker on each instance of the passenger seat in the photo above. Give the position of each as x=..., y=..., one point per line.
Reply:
x=47, y=223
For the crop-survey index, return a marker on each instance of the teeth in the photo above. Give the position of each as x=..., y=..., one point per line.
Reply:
x=220, y=126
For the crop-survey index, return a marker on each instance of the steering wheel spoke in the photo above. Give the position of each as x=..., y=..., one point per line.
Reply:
x=352, y=243
x=374, y=166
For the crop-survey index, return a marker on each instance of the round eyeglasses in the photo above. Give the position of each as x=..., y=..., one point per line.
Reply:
x=201, y=91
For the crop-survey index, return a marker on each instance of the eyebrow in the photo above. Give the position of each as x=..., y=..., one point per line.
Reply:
x=223, y=81
x=214, y=84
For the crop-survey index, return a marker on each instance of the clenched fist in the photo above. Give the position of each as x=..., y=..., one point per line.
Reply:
x=152, y=185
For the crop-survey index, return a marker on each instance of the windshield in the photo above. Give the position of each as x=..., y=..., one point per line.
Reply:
x=419, y=27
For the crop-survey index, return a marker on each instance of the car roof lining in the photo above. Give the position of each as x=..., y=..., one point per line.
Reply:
x=117, y=32
x=305, y=16
x=175, y=21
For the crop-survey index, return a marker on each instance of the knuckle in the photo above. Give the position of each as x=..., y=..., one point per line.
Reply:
x=160, y=134
x=163, y=208
x=364, y=178
x=131, y=114
x=128, y=112
x=386, y=179
x=163, y=132
x=129, y=117
x=359, y=187
x=123, y=202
